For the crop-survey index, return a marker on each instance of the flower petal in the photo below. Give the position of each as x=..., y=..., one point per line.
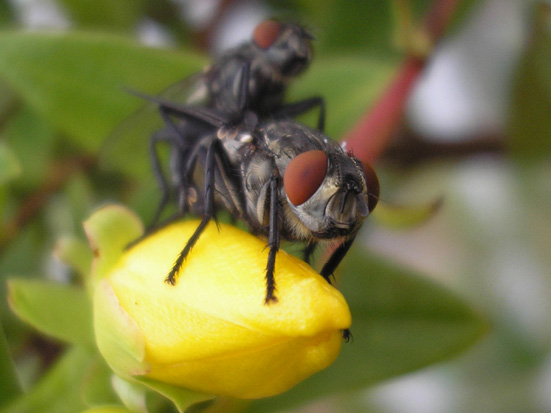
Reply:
x=212, y=331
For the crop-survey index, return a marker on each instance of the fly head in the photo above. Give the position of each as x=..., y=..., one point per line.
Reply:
x=331, y=192
x=286, y=47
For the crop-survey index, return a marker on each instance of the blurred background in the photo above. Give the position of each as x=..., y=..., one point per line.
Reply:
x=476, y=132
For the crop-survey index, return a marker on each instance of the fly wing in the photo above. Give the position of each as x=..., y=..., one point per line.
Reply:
x=126, y=149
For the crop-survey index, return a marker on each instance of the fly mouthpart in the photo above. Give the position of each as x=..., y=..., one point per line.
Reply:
x=348, y=208
x=344, y=225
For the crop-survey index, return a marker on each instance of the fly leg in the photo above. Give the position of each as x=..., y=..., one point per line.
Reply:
x=244, y=76
x=159, y=137
x=308, y=251
x=273, y=241
x=331, y=265
x=180, y=189
x=155, y=225
x=177, y=137
x=208, y=213
x=335, y=259
x=303, y=106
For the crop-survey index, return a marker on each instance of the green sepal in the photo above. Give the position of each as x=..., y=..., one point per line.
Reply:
x=109, y=232
x=132, y=394
x=119, y=338
x=181, y=397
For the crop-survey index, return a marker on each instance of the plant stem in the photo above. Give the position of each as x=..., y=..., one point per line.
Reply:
x=409, y=150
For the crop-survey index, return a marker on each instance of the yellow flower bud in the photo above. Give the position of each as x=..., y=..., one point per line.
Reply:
x=212, y=331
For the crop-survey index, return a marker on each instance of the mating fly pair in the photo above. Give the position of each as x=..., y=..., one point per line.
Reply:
x=283, y=179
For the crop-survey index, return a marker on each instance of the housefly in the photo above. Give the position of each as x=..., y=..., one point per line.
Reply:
x=282, y=178
x=260, y=68
x=277, y=53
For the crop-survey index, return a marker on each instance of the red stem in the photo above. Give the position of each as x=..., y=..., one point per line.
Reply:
x=370, y=136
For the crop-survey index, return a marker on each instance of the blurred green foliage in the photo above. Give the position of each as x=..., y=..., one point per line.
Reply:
x=63, y=92
x=530, y=122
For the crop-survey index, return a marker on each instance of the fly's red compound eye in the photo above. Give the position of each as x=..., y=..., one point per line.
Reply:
x=373, y=189
x=266, y=33
x=304, y=175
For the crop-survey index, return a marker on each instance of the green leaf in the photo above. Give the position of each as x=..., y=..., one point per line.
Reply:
x=32, y=140
x=10, y=387
x=400, y=322
x=108, y=409
x=529, y=120
x=464, y=10
x=9, y=164
x=6, y=13
x=59, y=310
x=345, y=25
x=77, y=80
x=57, y=391
x=350, y=25
x=97, y=389
x=348, y=84
x=405, y=216
x=106, y=14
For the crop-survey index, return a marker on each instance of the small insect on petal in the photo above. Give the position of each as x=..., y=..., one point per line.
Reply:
x=266, y=33
x=304, y=175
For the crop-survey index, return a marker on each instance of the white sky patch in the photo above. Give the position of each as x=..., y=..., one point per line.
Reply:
x=238, y=25
x=152, y=34
x=427, y=392
x=483, y=185
x=542, y=388
x=522, y=290
x=197, y=13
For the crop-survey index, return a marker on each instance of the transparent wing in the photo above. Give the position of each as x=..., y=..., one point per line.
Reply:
x=126, y=149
